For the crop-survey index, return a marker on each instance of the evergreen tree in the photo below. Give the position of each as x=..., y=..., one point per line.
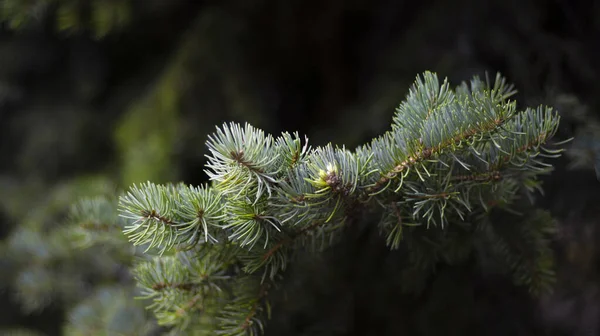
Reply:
x=221, y=70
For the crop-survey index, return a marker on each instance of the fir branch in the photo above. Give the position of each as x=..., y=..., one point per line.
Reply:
x=202, y=207
x=241, y=159
x=290, y=150
x=451, y=156
x=187, y=286
x=249, y=222
x=168, y=216
x=150, y=206
x=179, y=285
x=494, y=175
x=451, y=123
x=427, y=152
x=525, y=251
x=249, y=295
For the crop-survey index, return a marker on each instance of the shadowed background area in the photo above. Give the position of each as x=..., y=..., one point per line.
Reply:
x=98, y=94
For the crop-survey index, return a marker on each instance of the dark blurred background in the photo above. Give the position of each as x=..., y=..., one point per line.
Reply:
x=129, y=89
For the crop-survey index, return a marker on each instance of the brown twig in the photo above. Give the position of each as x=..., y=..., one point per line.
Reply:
x=264, y=290
x=153, y=214
x=178, y=285
x=429, y=151
x=290, y=239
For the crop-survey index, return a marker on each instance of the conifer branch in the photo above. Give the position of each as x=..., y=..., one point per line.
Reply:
x=450, y=157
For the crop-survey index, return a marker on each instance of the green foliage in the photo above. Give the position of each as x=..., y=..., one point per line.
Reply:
x=57, y=258
x=20, y=332
x=77, y=258
x=584, y=151
x=109, y=310
x=146, y=148
x=450, y=159
x=105, y=16
x=526, y=251
x=151, y=132
x=35, y=250
x=194, y=211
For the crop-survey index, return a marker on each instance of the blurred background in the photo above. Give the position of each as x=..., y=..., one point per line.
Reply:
x=98, y=94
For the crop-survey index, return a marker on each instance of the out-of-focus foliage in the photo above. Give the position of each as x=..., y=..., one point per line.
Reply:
x=67, y=249
x=584, y=152
x=109, y=310
x=20, y=332
x=154, y=130
x=51, y=262
x=101, y=17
